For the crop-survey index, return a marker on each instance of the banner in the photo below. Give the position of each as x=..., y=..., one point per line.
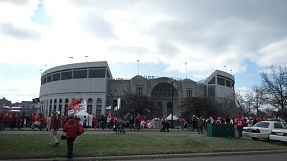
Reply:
x=71, y=112
x=108, y=107
x=119, y=103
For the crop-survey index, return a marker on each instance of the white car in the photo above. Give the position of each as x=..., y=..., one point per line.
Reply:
x=262, y=129
x=279, y=135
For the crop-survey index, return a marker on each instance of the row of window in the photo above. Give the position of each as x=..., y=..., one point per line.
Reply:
x=76, y=73
x=224, y=81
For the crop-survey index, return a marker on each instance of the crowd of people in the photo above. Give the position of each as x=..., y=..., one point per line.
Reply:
x=198, y=124
x=39, y=121
x=112, y=122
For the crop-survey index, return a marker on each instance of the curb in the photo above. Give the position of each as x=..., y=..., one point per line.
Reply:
x=163, y=156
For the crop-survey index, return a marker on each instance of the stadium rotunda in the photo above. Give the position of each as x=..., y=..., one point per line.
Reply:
x=93, y=82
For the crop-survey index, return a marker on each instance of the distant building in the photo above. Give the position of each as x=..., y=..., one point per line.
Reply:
x=93, y=82
x=25, y=106
x=4, y=102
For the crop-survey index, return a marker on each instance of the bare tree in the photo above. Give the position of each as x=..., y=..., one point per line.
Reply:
x=200, y=106
x=243, y=103
x=256, y=98
x=139, y=104
x=274, y=84
x=226, y=106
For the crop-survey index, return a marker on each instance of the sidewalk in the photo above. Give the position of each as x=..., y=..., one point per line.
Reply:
x=163, y=156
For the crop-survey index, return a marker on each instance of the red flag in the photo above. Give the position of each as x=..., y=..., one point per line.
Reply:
x=77, y=107
x=74, y=102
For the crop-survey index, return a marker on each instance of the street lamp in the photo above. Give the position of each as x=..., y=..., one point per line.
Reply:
x=171, y=104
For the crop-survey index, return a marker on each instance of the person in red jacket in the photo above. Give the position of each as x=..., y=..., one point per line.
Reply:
x=2, y=120
x=239, y=122
x=218, y=121
x=33, y=119
x=54, y=126
x=139, y=120
x=71, y=129
x=182, y=121
x=95, y=122
x=12, y=120
x=7, y=121
x=18, y=119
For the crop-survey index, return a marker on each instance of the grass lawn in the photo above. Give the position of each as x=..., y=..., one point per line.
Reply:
x=37, y=146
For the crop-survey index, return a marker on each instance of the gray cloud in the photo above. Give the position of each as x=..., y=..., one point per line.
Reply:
x=222, y=26
x=129, y=49
x=97, y=26
x=16, y=2
x=12, y=31
x=167, y=49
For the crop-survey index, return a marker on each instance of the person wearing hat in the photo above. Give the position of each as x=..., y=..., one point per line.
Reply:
x=54, y=126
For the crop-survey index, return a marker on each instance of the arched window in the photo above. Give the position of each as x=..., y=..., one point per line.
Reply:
x=50, y=109
x=66, y=104
x=90, y=106
x=55, y=104
x=60, y=106
x=99, y=107
x=46, y=108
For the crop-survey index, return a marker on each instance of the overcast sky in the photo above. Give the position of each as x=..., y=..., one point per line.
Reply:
x=172, y=38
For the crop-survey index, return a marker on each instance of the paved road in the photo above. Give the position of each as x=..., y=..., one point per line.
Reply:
x=264, y=157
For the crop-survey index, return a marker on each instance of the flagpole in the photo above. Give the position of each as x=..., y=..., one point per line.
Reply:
x=138, y=67
x=185, y=71
x=225, y=68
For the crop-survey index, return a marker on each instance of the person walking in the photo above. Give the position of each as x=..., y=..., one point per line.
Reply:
x=137, y=124
x=85, y=122
x=71, y=130
x=182, y=121
x=227, y=120
x=102, y=122
x=18, y=120
x=131, y=123
x=54, y=126
x=41, y=120
x=12, y=120
x=193, y=122
x=200, y=125
x=239, y=122
x=48, y=122
x=109, y=122
x=2, y=120
x=139, y=121
x=33, y=120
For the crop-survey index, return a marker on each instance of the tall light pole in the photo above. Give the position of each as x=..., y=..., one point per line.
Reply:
x=138, y=67
x=171, y=104
x=225, y=68
x=185, y=71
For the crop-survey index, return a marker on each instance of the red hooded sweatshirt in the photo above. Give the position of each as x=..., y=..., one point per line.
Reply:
x=71, y=128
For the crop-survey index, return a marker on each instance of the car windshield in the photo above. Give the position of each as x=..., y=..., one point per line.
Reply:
x=262, y=124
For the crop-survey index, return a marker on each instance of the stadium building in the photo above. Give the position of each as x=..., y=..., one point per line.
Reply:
x=93, y=82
